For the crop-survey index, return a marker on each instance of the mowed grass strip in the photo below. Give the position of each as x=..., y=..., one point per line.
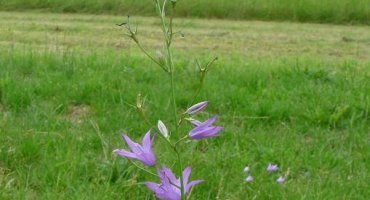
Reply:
x=207, y=37
x=65, y=100
x=326, y=11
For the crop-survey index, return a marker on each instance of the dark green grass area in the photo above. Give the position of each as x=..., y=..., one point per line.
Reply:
x=61, y=114
x=324, y=11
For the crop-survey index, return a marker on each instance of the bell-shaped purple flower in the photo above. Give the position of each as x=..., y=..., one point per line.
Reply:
x=272, y=168
x=205, y=130
x=249, y=179
x=169, y=188
x=197, y=108
x=280, y=180
x=143, y=153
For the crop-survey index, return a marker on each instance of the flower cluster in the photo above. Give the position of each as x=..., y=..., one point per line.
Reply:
x=270, y=168
x=249, y=177
x=169, y=187
x=205, y=129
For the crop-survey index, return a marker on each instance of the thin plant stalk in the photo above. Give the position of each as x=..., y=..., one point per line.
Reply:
x=167, y=33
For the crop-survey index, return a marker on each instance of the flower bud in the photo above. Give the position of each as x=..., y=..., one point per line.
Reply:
x=197, y=108
x=246, y=169
x=162, y=129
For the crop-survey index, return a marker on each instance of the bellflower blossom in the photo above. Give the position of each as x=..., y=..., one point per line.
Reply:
x=169, y=188
x=197, y=108
x=205, y=130
x=272, y=168
x=281, y=179
x=143, y=153
x=249, y=179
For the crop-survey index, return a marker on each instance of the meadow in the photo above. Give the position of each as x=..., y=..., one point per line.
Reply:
x=293, y=94
x=324, y=11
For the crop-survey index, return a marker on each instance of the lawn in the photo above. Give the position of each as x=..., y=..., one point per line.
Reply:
x=293, y=94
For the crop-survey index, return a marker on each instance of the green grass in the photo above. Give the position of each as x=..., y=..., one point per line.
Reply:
x=293, y=94
x=324, y=11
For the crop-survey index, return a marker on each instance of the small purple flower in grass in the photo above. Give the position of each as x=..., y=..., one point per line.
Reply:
x=143, y=153
x=197, y=108
x=169, y=188
x=272, y=168
x=205, y=130
x=249, y=179
x=280, y=180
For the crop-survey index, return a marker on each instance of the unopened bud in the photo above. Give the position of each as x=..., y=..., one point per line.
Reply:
x=162, y=129
x=197, y=108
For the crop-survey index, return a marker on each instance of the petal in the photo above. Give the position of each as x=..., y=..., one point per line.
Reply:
x=199, y=130
x=170, y=176
x=152, y=186
x=167, y=192
x=133, y=146
x=213, y=132
x=191, y=184
x=125, y=153
x=205, y=132
x=147, y=143
x=197, y=107
x=210, y=121
x=186, y=174
x=147, y=158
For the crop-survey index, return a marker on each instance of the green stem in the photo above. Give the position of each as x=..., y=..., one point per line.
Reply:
x=147, y=171
x=151, y=57
x=168, y=38
x=181, y=177
x=180, y=140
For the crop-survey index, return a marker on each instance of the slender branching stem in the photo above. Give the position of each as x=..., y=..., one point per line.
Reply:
x=151, y=57
x=203, y=72
x=143, y=169
x=167, y=33
x=180, y=140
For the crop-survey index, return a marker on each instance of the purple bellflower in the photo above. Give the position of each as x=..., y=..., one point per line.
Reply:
x=272, y=168
x=143, y=153
x=280, y=180
x=197, y=108
x=205, y=130
x=249, y=179
x=169, y=188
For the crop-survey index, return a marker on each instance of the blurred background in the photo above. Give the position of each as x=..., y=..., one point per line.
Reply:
x=323, y=11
